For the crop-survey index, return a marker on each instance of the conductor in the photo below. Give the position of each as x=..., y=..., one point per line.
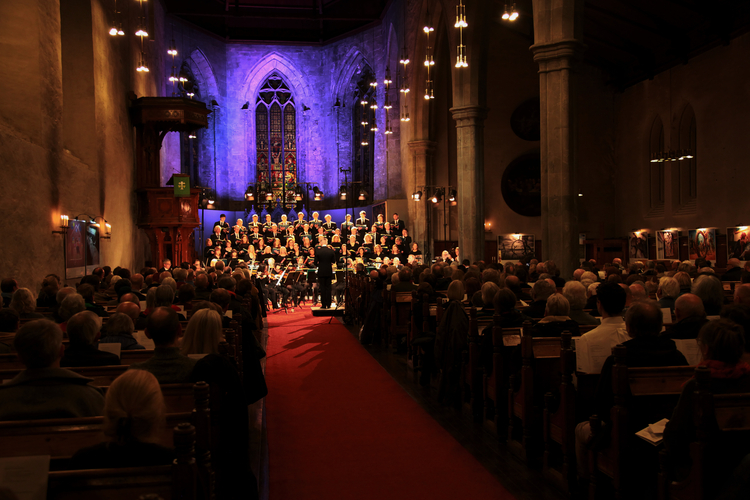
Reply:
x=324, y=259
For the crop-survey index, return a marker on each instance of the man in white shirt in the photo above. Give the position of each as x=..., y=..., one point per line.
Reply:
x=593, y=348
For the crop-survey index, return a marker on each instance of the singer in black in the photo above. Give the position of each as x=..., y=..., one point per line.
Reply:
x=324, y=259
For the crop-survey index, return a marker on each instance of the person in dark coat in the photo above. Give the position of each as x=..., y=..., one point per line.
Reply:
x=556, y=319
x=733, y=272
x=119, y=330
x=690, y=317
x=541, y=291
x=450, y=342
x=324, y=259
x=83, y=330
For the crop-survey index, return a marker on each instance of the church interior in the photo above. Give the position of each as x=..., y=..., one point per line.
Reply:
x=573, y=126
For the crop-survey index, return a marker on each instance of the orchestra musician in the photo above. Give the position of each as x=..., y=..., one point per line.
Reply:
x=222, y=224
x=300, y=286
x=363, y=221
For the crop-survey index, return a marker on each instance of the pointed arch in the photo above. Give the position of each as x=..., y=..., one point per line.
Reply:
x=204, y=73
x=275, y=62
x=353, y=60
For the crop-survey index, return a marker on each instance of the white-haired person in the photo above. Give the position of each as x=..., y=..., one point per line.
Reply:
x=134, y=417
x=556, y=318
x=24, y=303
x=575, y=292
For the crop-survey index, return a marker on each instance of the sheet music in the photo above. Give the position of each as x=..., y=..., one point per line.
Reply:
x=146, y=342
x=26, y=477
x=689, y=348
x=666, y=314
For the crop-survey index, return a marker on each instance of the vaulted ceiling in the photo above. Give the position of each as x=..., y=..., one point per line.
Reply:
x=289, y=21
x=631, y=40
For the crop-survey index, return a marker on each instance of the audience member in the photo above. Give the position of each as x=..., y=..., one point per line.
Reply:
x=8, y=286
x=711, y=292
x=43, y=389
x=167, y=364
x=667, y=293
x=9, y=322
x=134, y=414
x=84, y=331
x=575, y=293
x=540, y=293
x=505, y=307
x=556, y=319
x=24, y=304
x=119, y=330
x=594, y=346
x=690, y=317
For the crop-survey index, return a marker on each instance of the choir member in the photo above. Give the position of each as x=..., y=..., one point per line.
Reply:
x=397, y=225
x=346, y=226
x=222, y=224
x=329, y=226
x=363, y=221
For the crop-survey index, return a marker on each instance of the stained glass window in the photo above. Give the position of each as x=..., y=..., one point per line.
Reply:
x=276, y=141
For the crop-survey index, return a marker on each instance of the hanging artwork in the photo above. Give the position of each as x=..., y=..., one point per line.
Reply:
x=515, y=246
x=738, y=243
x=702, y=244
x=668, y=245
x=81, y=248
x=638, y=245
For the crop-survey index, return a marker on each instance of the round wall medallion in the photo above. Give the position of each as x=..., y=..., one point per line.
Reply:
x=522, y=185
x=525, y=120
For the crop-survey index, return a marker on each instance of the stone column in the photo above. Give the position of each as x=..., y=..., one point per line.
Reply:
x=470, y=165
x=422, y=152
x=556, y=49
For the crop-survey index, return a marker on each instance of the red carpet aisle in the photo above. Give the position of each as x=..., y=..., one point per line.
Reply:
x=339, y=427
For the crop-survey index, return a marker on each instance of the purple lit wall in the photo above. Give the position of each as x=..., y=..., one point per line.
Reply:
x=231, y=75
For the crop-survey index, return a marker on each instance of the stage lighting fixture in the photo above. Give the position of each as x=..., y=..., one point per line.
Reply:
x=250, y=193
x=362, y=195
x=318, y=194
x=452, y=196
x=417, y=196
x=342, y=192
x=438, y=196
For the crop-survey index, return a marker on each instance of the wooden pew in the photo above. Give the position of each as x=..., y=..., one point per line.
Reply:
x=540, y=361
x=560, y=423
x=472, y=379
x=102, y=375
x=400, y=316
x=658, y=388
x=176, y=481
x=732, y=414
x=505, y=342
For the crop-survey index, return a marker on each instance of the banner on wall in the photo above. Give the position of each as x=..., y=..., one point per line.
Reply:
x=668, y=244
x=638, y=245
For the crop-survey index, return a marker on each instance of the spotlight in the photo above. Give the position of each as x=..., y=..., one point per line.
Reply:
x=452, y=196
x=362, y=195
x=269, y=195
x=191, y=135
x=250, y=193
x=342, y=192
x=438, y=196
x=298, y=194
x=417, y=196
x=113, y=30
x=318, y=194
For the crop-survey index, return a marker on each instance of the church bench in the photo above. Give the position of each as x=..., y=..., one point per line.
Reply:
x=177, y=481
x=731, y=411
x=540, y=359
x=102, y=375
x=558, y=460
x=400, y=316
x=649, y=392
x=505, y=347
x=472, y=379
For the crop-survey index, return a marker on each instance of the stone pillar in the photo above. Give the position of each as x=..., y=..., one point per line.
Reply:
x=556, y=49
x=470, y=166
x=422, y=152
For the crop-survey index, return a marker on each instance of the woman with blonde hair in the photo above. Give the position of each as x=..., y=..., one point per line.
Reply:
x=134, y=416
x=203, y=333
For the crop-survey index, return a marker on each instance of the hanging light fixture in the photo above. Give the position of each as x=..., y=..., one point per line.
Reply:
x=387, y=81
x=417, y=196
x=429, y=61
x=510, y=13
x=142, y=65
x=114, y=30
x=452, y=196
x=141, y=31
x=460, y=25
x=342, y=192
x=405, y=114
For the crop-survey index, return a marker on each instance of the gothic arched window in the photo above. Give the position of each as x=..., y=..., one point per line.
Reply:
x=276, y=139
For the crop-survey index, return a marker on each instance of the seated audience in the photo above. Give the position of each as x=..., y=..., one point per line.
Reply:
x=594, y=346
x=87, y=291
x=575, y=292
x=540, y=293
x=690, y=317
x=722, y=343
x=47, y=295
x=734, y=270
x=505, y=307
x=711, y=292
x=119, y=329
x=134, y=416
x=7, y=287
x=167, y=364
x=83, y=331
x=488, y=292
x=24, y=304
x=667, y=293
x=44, y=390
x=591, y=299
x=556, y=319
x=742, y=295
x=71, y=305
x=9, y=323
x=645, y=348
